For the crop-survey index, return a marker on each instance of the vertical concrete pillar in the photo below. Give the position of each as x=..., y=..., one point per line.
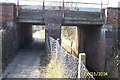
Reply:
x=25, y=34
x=53, y=30
x=81, y=39
x=95, y=47
x=82, y=58
x=0, y=40
x=0, y=53
x=53, y=24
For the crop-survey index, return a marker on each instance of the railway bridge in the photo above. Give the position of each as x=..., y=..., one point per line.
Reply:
x=96, y=31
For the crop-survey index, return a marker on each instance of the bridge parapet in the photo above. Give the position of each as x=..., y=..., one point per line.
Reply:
x=69, y=17
x=30, y=16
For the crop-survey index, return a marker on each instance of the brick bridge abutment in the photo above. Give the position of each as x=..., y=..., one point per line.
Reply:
x=97, y=41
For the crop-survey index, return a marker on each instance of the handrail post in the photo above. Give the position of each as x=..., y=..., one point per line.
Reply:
x=82, y=59
x=43, y=10
x=101, y=9
x=63, y=10
x=17, y=8
x=43, y=5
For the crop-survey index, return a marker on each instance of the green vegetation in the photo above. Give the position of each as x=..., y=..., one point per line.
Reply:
x=53, y=70
x=50, y=68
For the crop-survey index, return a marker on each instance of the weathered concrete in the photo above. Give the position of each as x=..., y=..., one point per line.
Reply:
x=53, y=24
x=92, y=42
x=81, y=17
x=37, y=16
x=31, y=16
x=0, y=53
x=0, y=41
x=100, y=44
x=81, y=39
x=69, y=39
x=96, y=41
x=24, y=34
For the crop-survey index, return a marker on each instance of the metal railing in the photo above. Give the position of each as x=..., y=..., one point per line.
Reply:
x=60, y=5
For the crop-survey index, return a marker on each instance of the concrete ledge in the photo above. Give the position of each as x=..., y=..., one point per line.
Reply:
x=70, y=17
x=4, y=3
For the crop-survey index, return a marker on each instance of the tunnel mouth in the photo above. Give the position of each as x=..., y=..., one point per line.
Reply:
x=38, y=36
x=38, y=33
x=30, y=34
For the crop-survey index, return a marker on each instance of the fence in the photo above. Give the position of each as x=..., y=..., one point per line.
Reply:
x=70, y=64
x=60, y=5
x=63, y=6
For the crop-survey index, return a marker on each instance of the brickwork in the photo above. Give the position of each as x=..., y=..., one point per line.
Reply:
x=113, y=19
x=113, y=16
x=100, y=44
x=9, y=34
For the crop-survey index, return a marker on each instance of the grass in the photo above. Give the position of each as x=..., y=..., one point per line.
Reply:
x=50, y=68
x=53, y=70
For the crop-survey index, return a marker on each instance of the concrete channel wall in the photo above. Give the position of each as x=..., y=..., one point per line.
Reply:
x=0, y=53
x=68, y=62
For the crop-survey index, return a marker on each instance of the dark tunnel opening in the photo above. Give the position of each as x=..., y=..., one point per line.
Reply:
x=91, y=42
x=30, y=35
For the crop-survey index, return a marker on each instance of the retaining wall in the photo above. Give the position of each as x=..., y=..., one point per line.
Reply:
x=0, y=53
x=68, y=62
x=9, y=32
x=112, y=49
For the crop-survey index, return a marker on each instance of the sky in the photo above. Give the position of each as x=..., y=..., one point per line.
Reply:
x=112, y=3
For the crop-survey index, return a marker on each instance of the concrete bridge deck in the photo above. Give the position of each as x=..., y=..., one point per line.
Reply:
x=37, y=16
